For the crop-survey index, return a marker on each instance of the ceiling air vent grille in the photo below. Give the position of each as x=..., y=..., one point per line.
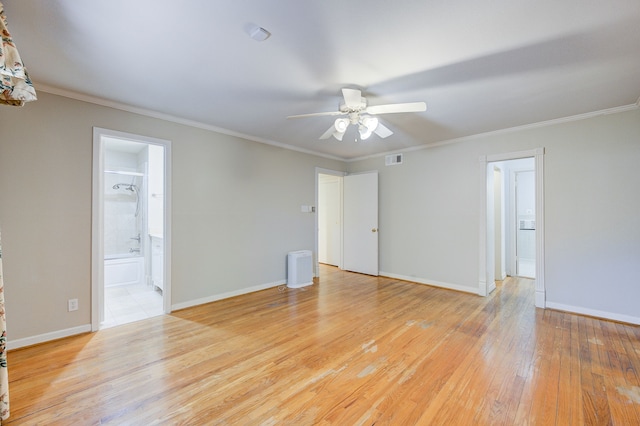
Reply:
x=393, y=159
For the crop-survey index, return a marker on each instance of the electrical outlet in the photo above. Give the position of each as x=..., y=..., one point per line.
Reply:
x=73, y=305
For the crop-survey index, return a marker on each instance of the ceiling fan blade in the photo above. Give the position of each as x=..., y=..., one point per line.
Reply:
x=328, y=133
x=338, y=136
x=382, y=131
x=352, y=98
x=317, y=114
x=394, y=108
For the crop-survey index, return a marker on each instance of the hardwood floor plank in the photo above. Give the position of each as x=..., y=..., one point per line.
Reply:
x=507, y=384
x=351, y=349
x=572, y=388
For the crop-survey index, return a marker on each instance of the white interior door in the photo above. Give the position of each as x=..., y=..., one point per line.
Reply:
x=360, y=221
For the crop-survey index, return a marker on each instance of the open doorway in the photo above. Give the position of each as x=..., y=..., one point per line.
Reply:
x=523, y=222
x=329, y=184
x=514, y=213
x=347, y=221
x=130, y=247
x=512, y=219
x=330, y=219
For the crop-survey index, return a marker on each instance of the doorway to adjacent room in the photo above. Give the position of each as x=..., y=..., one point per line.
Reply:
x=130, y=243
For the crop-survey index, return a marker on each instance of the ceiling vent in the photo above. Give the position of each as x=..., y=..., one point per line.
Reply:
x=393, y=159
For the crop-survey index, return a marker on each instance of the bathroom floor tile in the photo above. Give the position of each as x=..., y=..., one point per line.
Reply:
x=124, y=304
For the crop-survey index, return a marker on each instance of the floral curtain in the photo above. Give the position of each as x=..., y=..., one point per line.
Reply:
x=15, y=89
x=4, y=378
x=15, y=86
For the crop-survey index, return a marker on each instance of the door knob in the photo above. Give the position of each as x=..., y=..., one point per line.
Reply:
x=374, y=230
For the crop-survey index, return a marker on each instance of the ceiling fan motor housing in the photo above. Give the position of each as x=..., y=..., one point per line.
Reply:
x=353, y=108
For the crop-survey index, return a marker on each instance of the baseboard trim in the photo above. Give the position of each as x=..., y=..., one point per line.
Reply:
x=226, y=295
x=46, y=337
x=432, y=283
x=593, y=313
x=59, y=334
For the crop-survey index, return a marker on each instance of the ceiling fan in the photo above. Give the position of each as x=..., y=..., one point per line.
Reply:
x=355, y=108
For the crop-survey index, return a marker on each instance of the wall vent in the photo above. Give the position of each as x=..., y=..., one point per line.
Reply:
x=393, y=159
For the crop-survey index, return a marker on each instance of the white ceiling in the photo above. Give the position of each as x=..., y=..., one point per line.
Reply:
x=479, y=66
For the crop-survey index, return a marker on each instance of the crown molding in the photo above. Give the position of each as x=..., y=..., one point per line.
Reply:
x=547, y=123
x=178, y=120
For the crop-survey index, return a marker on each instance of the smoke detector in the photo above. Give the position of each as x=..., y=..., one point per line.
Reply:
x=257, y=33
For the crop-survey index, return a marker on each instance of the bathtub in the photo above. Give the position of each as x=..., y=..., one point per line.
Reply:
x=123, y=269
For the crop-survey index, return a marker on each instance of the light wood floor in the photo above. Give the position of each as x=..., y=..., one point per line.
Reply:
x=349, y=350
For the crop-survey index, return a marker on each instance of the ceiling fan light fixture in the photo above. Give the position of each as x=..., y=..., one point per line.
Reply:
x=341, y=125
x=365, y=132
x=370, y=123
x=356, y=108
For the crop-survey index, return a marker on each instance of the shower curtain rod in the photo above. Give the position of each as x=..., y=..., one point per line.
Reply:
x=122, y=172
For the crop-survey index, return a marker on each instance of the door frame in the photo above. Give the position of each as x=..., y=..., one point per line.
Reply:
x=486, y=278
x=97, y=220
x=499, y=223
x=321, y=171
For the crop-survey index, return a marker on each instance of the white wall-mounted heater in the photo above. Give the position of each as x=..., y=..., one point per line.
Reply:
x=299, y=269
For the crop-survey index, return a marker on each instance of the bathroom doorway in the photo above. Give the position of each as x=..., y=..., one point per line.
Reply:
x=130, y=248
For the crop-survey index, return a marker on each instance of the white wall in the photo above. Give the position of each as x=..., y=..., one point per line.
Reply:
x=428, y=217
x=155, y=192
x=236, y=210
x=429, y=211
x=592, y=205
